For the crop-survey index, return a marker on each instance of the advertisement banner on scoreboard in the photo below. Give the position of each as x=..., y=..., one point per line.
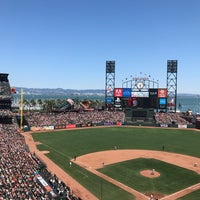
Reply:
x=109, y=100
x=162, y=103
x=126, y=92
x=118, y=102
x=162, y=93
x=118, y=92
x=153, y=92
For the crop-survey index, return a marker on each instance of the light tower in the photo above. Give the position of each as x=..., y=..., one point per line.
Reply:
x=110, y=83
x=171, y=85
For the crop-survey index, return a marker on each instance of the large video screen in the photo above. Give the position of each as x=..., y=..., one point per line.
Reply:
x=135, y=102
x=157, y=98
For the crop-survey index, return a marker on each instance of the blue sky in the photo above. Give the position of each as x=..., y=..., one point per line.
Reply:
x=65, y=43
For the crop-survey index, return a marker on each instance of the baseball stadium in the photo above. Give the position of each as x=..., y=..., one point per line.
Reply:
x=136, y=147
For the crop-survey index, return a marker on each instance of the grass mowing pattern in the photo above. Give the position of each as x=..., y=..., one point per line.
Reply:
x=64, y=145
x=172, y=178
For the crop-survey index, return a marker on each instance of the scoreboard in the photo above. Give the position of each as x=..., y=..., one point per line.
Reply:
x=157, y=99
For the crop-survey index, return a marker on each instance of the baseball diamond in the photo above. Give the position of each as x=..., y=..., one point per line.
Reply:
x=109, y=152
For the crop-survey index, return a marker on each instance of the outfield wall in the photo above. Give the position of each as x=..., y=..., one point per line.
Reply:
x=136, y=123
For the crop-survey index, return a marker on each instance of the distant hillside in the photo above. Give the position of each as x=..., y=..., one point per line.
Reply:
x=71, y=92
x=60, y=91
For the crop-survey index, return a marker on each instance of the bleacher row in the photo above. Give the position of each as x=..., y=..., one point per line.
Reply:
x=170, y=118
x=54, y=119
x=95, y=117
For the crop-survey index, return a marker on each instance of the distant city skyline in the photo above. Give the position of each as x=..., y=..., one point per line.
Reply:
x=65, y=44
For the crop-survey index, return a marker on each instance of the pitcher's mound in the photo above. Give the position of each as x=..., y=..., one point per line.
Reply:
x=150, y=173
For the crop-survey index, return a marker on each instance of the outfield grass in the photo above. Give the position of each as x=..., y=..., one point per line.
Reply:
x=64, y=145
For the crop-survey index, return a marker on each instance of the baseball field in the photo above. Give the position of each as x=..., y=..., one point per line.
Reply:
x=128, y=163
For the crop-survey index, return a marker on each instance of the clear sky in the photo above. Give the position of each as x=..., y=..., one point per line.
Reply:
x=65, y=43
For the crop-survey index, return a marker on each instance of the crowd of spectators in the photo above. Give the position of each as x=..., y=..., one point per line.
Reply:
x=4, y=88
x=52, y=119
x=36, y=119
x=63, y=191
x=5, y=113
x=170, y=118
x=19, y=169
